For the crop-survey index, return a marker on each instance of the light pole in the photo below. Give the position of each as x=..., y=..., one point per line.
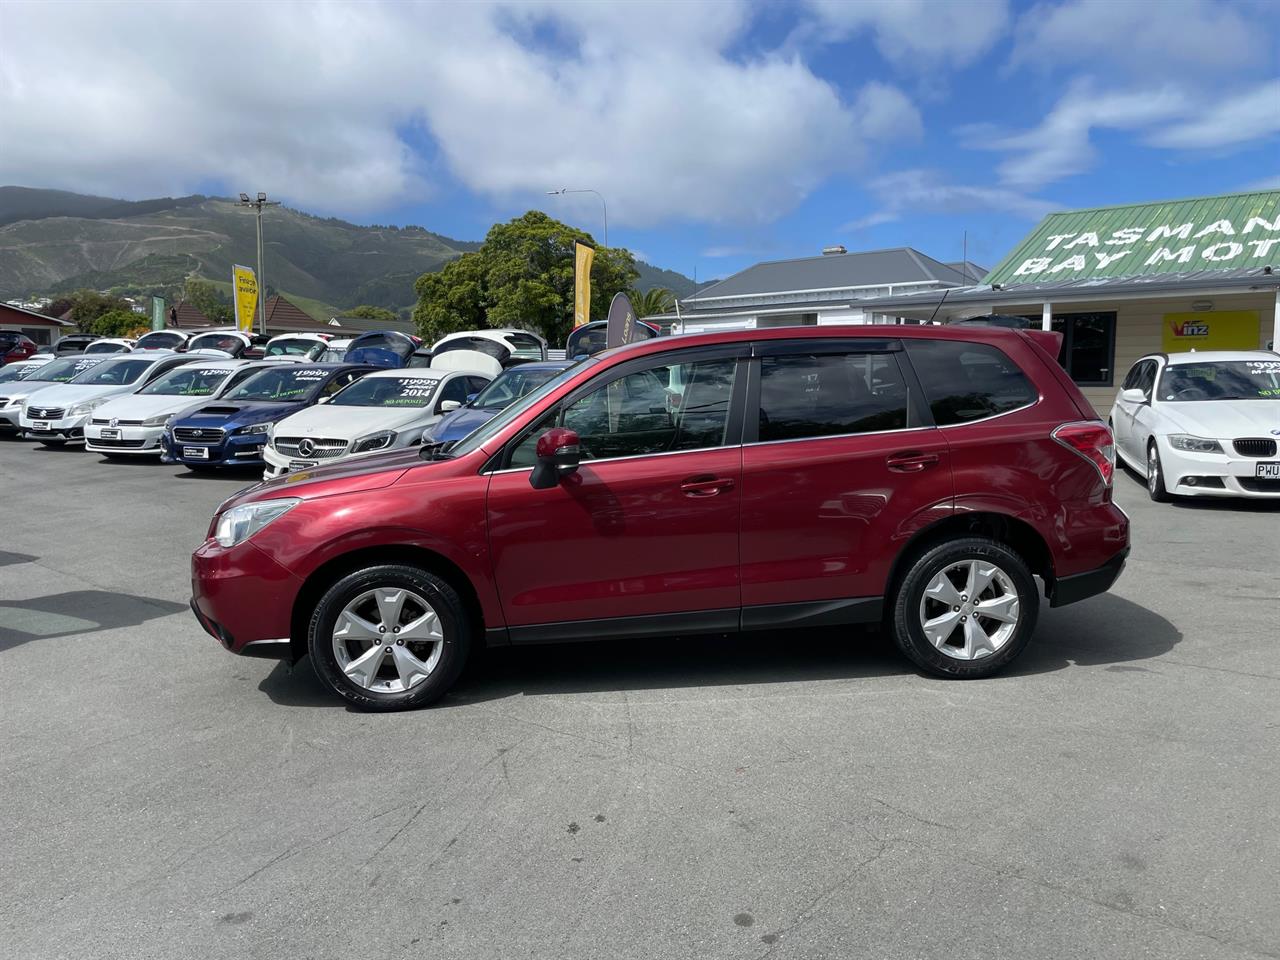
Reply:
x=257, y=206
x=603, y=207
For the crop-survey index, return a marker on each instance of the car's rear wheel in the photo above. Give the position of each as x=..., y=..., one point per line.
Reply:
x=389, y=637
x=1155, y=475
x=965, y=608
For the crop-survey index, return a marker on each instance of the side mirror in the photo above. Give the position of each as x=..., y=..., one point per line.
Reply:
x=471, y=397
x=448, y=406
x=558, y=454
x=1133, y=395
x=324, y=399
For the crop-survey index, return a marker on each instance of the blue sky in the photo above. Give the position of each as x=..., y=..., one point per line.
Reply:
x=720, y=133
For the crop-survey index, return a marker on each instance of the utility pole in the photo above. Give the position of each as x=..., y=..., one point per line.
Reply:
x=257, y=206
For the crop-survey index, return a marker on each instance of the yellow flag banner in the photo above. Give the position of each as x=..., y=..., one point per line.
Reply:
x=583, y=255
x=245, y=286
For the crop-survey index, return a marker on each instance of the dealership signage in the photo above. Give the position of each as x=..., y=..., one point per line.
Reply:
x=1228, y=330
x=245, y=288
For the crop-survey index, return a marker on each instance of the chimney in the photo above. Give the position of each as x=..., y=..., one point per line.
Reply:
x=834, y=251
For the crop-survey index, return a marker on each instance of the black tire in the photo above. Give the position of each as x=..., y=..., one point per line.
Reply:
x=454, y=621
x=909, y=635
x=1156, y=489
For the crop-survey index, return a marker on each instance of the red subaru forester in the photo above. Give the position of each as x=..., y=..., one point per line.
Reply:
x=917, y=476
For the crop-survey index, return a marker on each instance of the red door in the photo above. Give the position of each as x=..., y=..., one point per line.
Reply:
x=838, y=477
x=648, y=525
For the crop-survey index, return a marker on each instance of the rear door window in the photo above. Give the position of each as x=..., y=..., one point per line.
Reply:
x=968, y=381
x=830, y=394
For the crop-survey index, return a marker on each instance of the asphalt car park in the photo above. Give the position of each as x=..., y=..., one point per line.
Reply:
x=800, y=794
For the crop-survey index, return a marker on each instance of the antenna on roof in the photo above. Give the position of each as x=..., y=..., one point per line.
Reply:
x=940, y=303
x=964, y=263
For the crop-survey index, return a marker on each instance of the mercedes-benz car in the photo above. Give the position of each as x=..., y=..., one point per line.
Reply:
x=59, y=414
x=231, y=430
x=1203, y=424
x=505, y=389
x=378, y=412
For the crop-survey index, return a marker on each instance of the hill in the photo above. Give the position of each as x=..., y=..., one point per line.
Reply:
x=52, y=241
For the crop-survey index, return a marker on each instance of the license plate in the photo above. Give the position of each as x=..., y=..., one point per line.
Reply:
x=109, y=434
x=196, y=453
x=301, y=464
x=41, y=425
x=1267, y=471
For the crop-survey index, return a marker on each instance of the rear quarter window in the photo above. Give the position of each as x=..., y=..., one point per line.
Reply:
x=968, y=381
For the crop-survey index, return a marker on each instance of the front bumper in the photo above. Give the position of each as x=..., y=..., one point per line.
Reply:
x=1082, y=586
x=1216, y=474
x=243, y=598
x=65, y=428
x=9, y=416
x=232, y=450
x=123, y=440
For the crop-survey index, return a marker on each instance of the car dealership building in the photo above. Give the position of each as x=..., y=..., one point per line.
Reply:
x=1121, y=282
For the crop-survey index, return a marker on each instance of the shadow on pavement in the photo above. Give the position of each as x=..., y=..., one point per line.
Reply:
x=8, y=559
x=76, y=612
x=1220, y=504
x=242, y=475
x=1104, y=630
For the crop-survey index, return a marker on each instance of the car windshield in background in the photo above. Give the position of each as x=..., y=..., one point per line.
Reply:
x=397, y=343
x=216, y=341
x=487, y=430
x=293, y=348
x=511, y=386
x=284, y=385
x=188, y=382
x=586, y=342
x=1221, y=380
x=13, y=372
x=112, y=372
x=388, y=392
x=158, y=340
x=7, y=342
x=66, y=369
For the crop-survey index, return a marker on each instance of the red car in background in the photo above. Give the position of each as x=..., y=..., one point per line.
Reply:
x=15, y=347
x=916, y=477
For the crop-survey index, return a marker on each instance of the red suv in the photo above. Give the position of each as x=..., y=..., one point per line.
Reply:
x=15, y=347
x=917, y=476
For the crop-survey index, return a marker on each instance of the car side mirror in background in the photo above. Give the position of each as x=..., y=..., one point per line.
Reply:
x=1133, y=395
x=558, y=454
x=471, y=398
x=448, y=406
x=323, y=400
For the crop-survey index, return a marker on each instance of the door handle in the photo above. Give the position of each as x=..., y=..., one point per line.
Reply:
x=706, y=486
x=911, y=461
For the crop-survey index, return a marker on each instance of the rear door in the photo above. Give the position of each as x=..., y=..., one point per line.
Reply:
x=838, y=457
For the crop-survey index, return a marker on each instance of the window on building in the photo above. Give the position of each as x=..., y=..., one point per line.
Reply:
x=1088, y=347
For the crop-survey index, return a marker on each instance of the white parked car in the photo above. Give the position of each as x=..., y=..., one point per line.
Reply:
x=336, y=350
x=506, y=345
x=163, y=340
x=51, y=370
x=58, y=414
x=1202, y=424
x=301, y=346
x=381, y=411
x=132, y=425
x=111, y=345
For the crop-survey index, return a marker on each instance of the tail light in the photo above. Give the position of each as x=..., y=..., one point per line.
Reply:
x=1092, y=440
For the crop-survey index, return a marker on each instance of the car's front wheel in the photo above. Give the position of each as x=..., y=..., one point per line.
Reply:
x=389, y=637
x=965, y=608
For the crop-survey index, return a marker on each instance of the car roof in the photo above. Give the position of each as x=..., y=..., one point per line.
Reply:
x=1219, y=356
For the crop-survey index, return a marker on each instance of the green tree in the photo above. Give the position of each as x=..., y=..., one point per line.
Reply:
x=367, y=312
x=88, y=305
x=653, y=301
x=115, y=323
x=522, y=276
x=206, y=298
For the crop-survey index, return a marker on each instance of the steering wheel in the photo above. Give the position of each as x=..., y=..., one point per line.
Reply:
x=1191, y=393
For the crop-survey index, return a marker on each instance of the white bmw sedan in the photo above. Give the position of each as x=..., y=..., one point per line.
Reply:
x=1202, y=424
x=381, y=411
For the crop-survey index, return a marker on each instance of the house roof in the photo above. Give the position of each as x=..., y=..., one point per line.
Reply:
x=189, y=316
x=361, y=324
x=20, y=317
x=1201, y=234
x=284, y=316
x=970, y=270
x=842, y=271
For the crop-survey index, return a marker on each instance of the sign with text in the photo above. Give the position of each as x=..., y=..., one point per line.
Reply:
x=582, y=259
x=244, y=283
x=1228, y=330
x=622, y=323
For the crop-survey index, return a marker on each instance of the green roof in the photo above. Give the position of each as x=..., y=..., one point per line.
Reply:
x=1229, y=232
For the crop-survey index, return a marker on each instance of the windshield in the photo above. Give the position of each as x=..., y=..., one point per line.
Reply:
x=388, y=392
x=511, y=386
x=16, y=372
x=158, y=340
x=8, y=341
x=226, y=342
x=115, y=372
x=1220, y=380
x=187, y=382
x=486, y=430
x=294, y=348
x=65, y=369
x=283, y=384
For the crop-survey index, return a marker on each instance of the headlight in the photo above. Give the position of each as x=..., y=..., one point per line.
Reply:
x=240, y=523
x=375, y=441
x=1182, y=441
x=80, y=409
x=168, y=424
x=255, y=428
x=160, y=421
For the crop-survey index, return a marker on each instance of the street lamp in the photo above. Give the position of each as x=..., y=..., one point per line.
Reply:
x=603, y=206
x=257, y=206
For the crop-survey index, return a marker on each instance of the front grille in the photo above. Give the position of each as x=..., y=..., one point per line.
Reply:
x=1255, y=447
x=3, y=401
x=323, y=447
x=198, y=435
x=119, y=423
x=1257, y=485
x=102, y=442
x=44, y=413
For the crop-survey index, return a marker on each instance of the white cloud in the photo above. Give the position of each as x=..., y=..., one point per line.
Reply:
x=639, y=101
x=920, y=35
x=926, y=191
x=1250, y=115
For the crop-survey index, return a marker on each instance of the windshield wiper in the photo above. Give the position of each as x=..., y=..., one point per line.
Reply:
x=436, y=451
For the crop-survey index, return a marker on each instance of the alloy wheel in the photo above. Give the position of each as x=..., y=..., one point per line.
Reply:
x=969, y=610
x=388, y=640
x=1153, y=470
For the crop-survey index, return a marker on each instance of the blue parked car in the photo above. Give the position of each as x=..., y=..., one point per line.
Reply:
x=388, y=348
x=232, y=429
x=505, y=389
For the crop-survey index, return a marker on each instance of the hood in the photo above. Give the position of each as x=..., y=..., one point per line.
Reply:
x=69, y=394
x=349, y=423
x=345, y=476
x=1224, y=419
x=21, y=390
x=135, y=406
x=217, y=413
x=459, y=423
